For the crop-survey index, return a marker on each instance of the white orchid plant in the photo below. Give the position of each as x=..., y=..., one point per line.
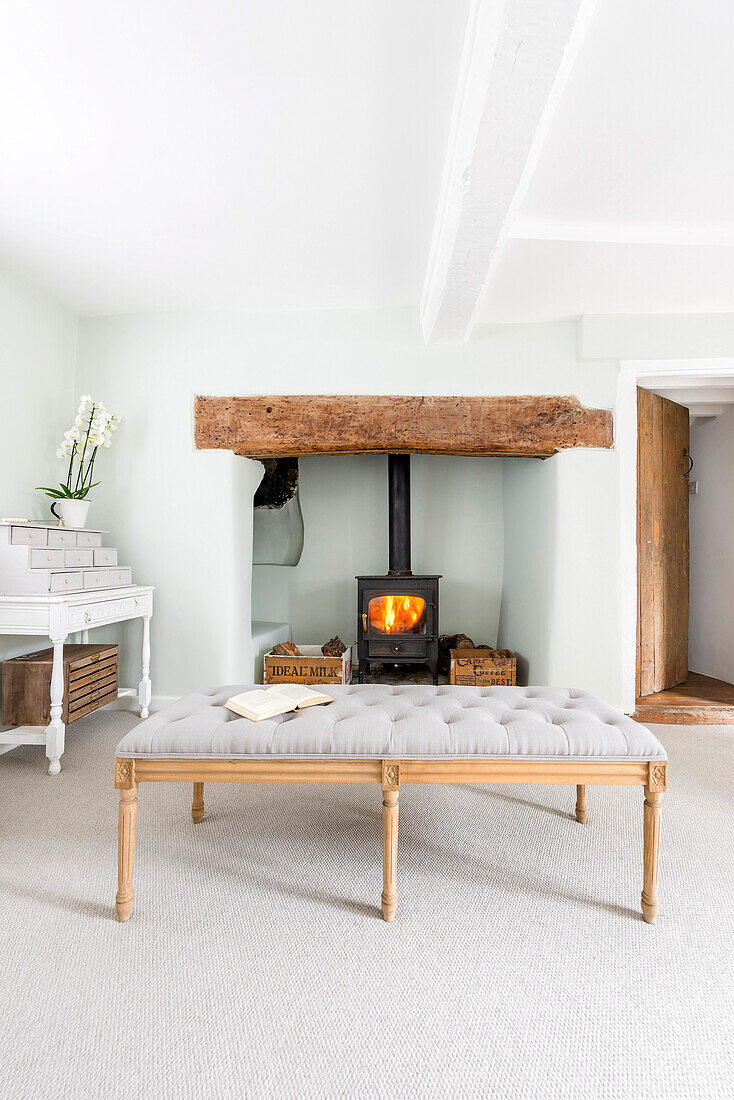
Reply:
x=92, y=428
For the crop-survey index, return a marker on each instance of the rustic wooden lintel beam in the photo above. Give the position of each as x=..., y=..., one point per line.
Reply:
x=302, y=426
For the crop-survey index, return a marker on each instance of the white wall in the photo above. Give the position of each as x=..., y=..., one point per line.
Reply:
x=37, y=404
x=560, y=598
x=711, y=633
x=148, y=368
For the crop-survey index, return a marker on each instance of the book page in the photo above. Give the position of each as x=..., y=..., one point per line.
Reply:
x=260, y=704
x=300, y=695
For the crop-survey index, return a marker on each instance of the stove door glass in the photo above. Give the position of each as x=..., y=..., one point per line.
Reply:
x=397, y=615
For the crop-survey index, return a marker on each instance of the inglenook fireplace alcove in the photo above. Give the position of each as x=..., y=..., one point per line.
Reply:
x=397, y=613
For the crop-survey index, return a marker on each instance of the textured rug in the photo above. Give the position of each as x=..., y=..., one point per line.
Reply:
x=256, y=962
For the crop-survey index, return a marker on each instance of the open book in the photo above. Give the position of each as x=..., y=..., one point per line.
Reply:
x=267, y=702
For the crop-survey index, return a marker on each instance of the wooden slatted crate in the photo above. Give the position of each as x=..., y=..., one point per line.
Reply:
x=310, y=668
x=90, y=681
x=482, y=667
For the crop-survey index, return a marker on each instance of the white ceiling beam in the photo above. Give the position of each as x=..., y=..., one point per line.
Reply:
x=692, y=397
x=516, y=59
x=687, y=380
x=704, y=411
x=658, y=233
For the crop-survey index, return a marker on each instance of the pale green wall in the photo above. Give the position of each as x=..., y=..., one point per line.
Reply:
x=37, y=404
x=170, y=508
x=456, y=531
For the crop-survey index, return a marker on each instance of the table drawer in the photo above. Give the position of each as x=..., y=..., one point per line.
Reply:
x=59, y=537
x=96, y=578
x=78, y=557
x=105, y=555
x=89, y=538
x=121, y=576
x=44, y=559
x=28, y=536
x=65, y=582
x=111, y=610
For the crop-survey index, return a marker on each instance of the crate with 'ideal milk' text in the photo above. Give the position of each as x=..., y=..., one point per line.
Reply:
x=311, y=668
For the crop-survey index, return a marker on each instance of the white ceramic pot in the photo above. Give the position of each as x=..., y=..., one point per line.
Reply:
x=70, y=512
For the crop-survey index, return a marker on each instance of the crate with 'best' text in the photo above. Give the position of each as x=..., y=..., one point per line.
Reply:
x=310, y=668
x=482, y=667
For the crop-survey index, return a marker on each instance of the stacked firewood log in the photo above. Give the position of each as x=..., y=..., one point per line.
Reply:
x=333, y=648
x=447, y=642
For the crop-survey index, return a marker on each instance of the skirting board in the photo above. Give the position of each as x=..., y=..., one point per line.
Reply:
x=127, y=699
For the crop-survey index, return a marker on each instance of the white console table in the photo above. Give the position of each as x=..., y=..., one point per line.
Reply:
x=56, y=617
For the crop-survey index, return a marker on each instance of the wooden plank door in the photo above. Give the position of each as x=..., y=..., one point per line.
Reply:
x=663, y=438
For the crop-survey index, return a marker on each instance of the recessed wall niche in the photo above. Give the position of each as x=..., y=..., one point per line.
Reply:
x=457, y=530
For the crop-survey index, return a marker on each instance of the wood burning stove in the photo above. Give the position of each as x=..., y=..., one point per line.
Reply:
x=397, y=614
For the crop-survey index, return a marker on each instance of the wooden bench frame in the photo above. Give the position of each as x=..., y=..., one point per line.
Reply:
x=390, y=774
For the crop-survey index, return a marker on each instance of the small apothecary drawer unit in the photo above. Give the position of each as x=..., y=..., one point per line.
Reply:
x=90, y=681
x=38, y=559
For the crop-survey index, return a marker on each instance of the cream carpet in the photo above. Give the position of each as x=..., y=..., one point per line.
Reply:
x=256, y=963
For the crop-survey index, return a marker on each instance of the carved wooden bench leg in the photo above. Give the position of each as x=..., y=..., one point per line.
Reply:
x=126, y=851
x=389, y=853
x=651, y=851
x=197, y=806
x=582, y=806
x=390, y=796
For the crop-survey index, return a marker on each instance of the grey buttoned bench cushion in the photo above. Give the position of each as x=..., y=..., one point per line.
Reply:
x=376, y=721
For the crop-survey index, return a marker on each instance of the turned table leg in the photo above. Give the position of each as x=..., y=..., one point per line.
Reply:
x=651, y=852
x=55, y=729
x=582, y=806
x=197, y=806
x=144, y=687
x=126, y=852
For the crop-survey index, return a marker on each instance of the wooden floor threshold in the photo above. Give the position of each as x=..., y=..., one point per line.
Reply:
x=699, y=701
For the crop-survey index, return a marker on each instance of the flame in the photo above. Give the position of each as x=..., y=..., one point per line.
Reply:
x=396, y=614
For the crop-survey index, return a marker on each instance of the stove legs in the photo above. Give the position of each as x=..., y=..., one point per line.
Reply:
x=363, y=667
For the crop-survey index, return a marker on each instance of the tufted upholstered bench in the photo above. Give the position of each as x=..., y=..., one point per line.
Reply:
x=391, y=736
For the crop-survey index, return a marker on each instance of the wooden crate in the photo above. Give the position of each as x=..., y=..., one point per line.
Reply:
x=90, y=681
x=311, y=668
x=482, y=667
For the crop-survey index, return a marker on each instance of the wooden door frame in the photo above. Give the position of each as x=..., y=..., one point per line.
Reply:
x=649, y=374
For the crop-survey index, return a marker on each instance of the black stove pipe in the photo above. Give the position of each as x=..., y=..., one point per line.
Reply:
x=398, y=481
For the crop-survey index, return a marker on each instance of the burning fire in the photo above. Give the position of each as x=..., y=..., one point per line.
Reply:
x=396, y=614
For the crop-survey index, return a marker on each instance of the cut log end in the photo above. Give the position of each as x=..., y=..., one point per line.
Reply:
x=286, y=649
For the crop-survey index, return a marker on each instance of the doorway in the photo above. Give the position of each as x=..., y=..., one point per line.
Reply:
x=669, y=685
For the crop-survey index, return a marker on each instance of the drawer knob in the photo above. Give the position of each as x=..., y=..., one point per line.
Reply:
x=396, y=649
x=87, y=617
